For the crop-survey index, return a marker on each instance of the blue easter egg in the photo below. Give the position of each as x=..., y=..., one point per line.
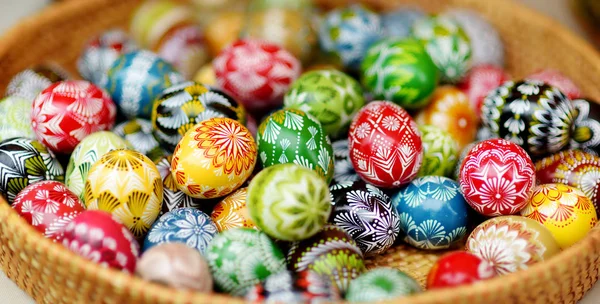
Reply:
x=433, y=212
x=185, y=225
x=398, y=23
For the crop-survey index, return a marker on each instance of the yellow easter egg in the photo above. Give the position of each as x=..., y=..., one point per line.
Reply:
x=232, y=212
x=206, y=75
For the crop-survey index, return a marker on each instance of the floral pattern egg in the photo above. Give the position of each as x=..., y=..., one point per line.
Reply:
x=66, y=112
x=48, y=206
x=135, y=95
x=521, y=112
x=240, y=258
x=85, y=155
x=433, y=213
x=567, y=213
x=331, y=96
x=288, y=287
x=15, y=120
x=173, y=198
x=97, y=236
x=496, y=177
x=24, y=162
x=292, y=136
x=458, y=268
x=185, y=49
x=366, y=214
x=586, y=136
x=128, y=185
x=182, y=106
x=511, y=243
x=331, y=253
x=447, y=44
x=138, y=132
x=385, y=145
x=257, y=73
x=381, y=284
x=214, y=158
x=233, y=212
x=557, y=80
x=348, y=33
x=30, y=82
x=479, y=81
x=343, y=169
x=184, y=225
x=397, y=24
x=400, y=71
x=439, y=151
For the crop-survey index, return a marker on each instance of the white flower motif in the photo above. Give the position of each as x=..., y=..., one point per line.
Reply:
x=390, y=123
x=363, y=130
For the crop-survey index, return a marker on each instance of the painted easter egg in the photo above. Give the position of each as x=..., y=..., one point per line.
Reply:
x=66, y=112
x=511, y=243
x=382, y=284
x=433, y=213
x=479, y=81
x=343, y=169
x=173, y=198
x=586, y=136
x=152, y=21
x=331, y=96
x=135, y=95
x=256, y=73
x=458, y=268
x=100, y=53
x=385, y=145
x=214, y=158
x=240, y=258
x=520, y=111
x=138, y=132
x=497, y=177
x=397, y=24
x=128, y=185
x=366, y=214
x=289, y=287
x=331, y=253
x=558, y=80
x=15, y=120
x=48, y=206
x=292, y=136
x=182, y=106
x=450, y=110
x=224, y=30
x=97, y=236
x=348, y=32
x=233, y=212
x=447, y=44
x=85, y=155
x=184, y=225
x=30, y=82
x=400, y=71
x=567, y=213
x=440, y=151
x=24, y=162
x=185, y=49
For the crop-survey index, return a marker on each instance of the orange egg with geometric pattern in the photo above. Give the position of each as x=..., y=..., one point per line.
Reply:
x=564, y=210
x=214, y=158
x=232, y=212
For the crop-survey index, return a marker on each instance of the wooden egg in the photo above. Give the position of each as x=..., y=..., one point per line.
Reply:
x=15, y=120
x=458, y=268
x=382, y=284
x=233, y=212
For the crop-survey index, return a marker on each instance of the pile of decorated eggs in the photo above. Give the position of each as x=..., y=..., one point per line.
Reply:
x=273, y=158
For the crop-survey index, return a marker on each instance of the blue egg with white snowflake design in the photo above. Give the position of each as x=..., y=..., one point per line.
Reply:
x=433, y=213
x=185, y=225
x=398, y=23
x=136, y=79
x=348, y=32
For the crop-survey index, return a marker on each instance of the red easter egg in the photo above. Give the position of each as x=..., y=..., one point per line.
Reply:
x=496, y=177
x=479, y=82
x=385, y=145
x=458, y=268
x=67, y=111
x=97, y=236
x=558, y=80
x=48, y=206
x=256, y=73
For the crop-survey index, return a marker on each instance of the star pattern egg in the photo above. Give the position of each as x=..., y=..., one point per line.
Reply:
x=184, y=225
x=48, y=206
x=292, y=136
x=173, y=198
x=332, y=97
x=400, y=71
x=138, y=132
x=382, y=284
x=30, y=82
x=433, y=213
x=397, y=24
x=214, y=158
x=85, y=155
x=288, y=287
x=567, y=213
x=240, y=258
x=343, y=169
x=233, y=212
x=586, y=136
x=128, y=185
x=15, y=120
x=519, y=111
x=185, y=49
x=24, y=162
x=511, y=243
x=182, y=106
x=66, y=112
x=385, y=145
x=479, y=81
x=97, y=236
x=557, y=80
x=439, y=151
x=496, y=177
x=458, y=268
x=366, y=214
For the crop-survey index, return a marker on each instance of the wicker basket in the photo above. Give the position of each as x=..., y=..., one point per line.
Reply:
x=52, y=274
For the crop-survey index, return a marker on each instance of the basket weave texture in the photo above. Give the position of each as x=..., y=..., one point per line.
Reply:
x=52, y=274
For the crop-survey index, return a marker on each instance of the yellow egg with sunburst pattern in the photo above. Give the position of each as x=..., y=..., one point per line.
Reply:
x=128, y=185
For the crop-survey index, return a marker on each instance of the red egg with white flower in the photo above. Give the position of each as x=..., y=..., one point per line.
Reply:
x=496, y=177
x=385, y=145
x=459, y=268
x=479, y=81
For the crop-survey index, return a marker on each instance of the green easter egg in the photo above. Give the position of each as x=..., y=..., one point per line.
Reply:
x=15, y=120
x=439, y=151
x=381, y=284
